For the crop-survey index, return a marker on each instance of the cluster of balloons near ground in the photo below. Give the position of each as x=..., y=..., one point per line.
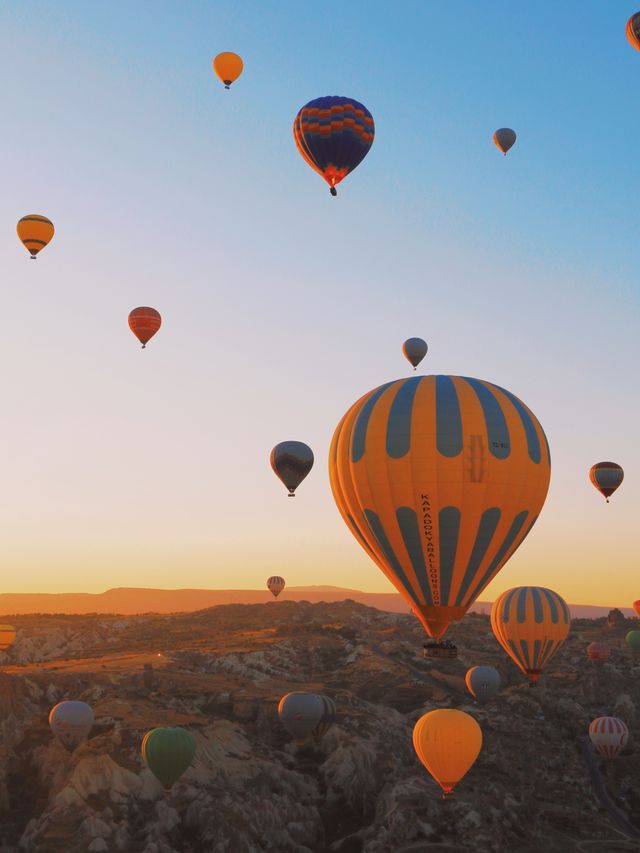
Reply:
x=438, y=556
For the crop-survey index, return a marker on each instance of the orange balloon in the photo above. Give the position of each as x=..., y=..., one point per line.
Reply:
x=35, y=232
x=228, y=67
x=633, y=30
x=447, y=742
x=636, y=607
x=144, y=323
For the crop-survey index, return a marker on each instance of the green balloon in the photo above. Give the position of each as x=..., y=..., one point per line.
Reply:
x=633, y=640
x=168, y=752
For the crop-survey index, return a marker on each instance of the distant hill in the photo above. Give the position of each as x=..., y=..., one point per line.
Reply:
x=132, y=600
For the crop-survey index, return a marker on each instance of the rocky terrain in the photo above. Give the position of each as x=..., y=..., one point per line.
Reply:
x=220, y=672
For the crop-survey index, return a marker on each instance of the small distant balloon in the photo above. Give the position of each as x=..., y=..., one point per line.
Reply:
x=633, y=30
x=228, y=67
x=531, y=623
x=291, y=462
x=327, y=719
x=609, y=735
x=144, y=323
x=504, y=139
x=71, y=722
x=35, y=231
x=7, y=636
x=333, y=135
x=275, y=585
x=300, y=713
x=483, y=682
x=606, y=477
x=168, y=753
x=598, y=652
x=633, y=640
x=447, y=742
x=414, y=350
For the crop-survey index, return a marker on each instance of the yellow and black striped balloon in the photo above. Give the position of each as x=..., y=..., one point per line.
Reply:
x=439, y=478
x=35, y=232
x=530, y=623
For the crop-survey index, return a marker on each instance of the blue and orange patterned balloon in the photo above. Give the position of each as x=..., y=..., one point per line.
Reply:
x=439, y=478
x=334, y=135
x=530, y=623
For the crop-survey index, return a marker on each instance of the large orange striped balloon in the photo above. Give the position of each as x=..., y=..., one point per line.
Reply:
x=35, y=231
x=530, y=623
x=447, y=742
x=439, y=478
x=609, y=735
x=633, y=30
x=606, y=477
x=144, y=323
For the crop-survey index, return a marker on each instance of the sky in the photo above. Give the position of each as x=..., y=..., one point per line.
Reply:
x=282, y=305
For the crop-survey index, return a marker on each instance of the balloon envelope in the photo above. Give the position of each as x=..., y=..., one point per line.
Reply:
x=504, y=139
x=228, y=67
x=606, y=477
x=333, y=134
x=636, y=607
x=598, y=652
x=35, y=231
x=7, y=636
x=447, y=742
x=291, y=462
x=483, y=682
x=168, y=752
x=531, y=623
x=144, y=322
x=609, y=735
x=633, y=30
x=275, y=585
x=633, y=640
x=439, y=478
x=71, y=722
x=300, y=713
x=414, y=350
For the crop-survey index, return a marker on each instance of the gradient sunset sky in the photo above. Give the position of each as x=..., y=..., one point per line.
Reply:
x=282, y=305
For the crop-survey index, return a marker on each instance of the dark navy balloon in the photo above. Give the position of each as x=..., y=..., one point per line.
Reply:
x=333, y=134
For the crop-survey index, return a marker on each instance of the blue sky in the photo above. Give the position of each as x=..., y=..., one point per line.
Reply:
x=282, y=305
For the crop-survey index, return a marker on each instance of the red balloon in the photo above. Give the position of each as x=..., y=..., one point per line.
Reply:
x=598, y=652
x=144, y=323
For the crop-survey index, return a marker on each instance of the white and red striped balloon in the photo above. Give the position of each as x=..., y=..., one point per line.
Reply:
x=609, y=735
x=275, y=585
x=599, y=652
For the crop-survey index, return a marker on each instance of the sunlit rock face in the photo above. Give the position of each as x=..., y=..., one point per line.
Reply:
x=220, y=673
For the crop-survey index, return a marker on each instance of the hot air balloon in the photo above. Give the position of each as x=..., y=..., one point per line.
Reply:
x=633, y=30
x=483, y=682
x=228, y=67
x=606, y=477
x=144, y=323
x=7, y=636
x=447, y=742
x=598, y=652
x=334, y=135
x=504, y=139
x=327, y=719
x=35, y=232
x=439, y=478
x=291, y=462
x=636, y=607
x=168, y=752
x=275, y=585
x=530, y=623
x=609, y=735
x=633, y=640
x=71, y=723
x=414, y=350
x=300, y=714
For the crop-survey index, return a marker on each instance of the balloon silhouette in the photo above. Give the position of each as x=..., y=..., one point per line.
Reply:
x=504, y=139
x=168, y=752
x=414, y=350
x=275, y=585
x=606, y=477
x=291, y=462
x=71, y=723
